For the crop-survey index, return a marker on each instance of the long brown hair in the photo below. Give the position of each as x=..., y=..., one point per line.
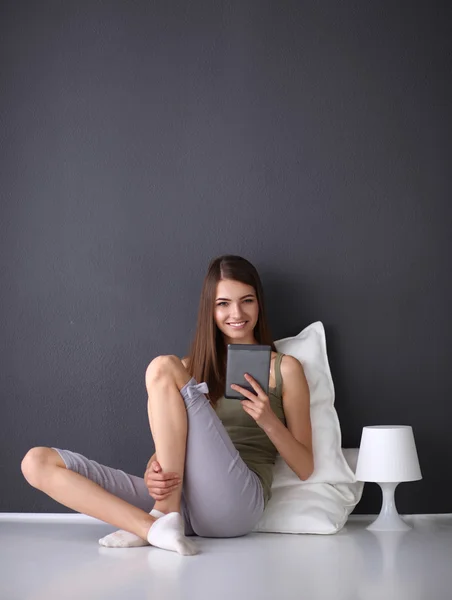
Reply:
x=208, y=353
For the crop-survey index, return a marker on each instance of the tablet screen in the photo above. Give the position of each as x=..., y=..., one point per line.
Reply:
x=247, y=358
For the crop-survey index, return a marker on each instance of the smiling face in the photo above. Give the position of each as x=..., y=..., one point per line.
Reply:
x=236, y=302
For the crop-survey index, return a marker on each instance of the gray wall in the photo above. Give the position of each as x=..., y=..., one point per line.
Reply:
x=142, y=139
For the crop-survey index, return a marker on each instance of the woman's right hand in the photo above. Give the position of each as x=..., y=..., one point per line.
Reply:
x=159, y=484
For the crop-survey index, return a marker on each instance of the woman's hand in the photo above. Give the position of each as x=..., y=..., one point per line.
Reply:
x=159, y=484
x=258, y=406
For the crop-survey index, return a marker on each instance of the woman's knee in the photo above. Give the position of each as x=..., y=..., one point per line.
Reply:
x=167, y=367
x=36, y=461
x=161, y=366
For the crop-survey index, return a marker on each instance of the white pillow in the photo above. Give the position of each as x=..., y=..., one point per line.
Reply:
x=318, y=508
x=322, y=503
x=330, y=466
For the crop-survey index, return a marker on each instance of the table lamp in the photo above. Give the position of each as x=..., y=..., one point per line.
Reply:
x=387, y=456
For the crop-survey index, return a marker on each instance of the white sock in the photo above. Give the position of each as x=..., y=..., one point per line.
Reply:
x=125, y=539
x=168, y=533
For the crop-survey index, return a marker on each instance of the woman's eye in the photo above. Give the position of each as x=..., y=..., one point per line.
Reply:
x=248, y=300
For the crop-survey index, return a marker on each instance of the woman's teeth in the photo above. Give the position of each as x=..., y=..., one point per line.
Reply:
x=237, y=325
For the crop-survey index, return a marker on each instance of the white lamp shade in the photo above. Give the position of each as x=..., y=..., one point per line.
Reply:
x=387, y=453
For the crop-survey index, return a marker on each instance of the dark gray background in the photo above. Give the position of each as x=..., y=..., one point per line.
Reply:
x=141, y=139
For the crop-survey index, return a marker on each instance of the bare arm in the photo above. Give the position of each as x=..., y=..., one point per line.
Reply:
x=294, y=442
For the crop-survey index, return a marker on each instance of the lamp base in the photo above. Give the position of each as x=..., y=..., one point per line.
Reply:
x=388, y=519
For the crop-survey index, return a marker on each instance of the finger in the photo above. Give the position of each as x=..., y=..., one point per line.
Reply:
x=158, y=496
x=162, y=476
x=163, y=485
x=253, y=402
x=155, y=492
x=254, y=383
x=246, y=403
x=156, y=467
x=249, y=408
x=243, y=391
x=164, y=491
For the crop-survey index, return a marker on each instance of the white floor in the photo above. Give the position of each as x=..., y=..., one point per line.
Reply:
x=47, y=557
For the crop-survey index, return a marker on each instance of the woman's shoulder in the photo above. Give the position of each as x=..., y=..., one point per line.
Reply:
x=292, y=373
x=290, y=365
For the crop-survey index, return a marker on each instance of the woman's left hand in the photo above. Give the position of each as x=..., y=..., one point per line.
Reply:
x=257, y=406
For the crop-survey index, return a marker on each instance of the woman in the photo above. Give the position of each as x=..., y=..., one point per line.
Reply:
x=211, y=473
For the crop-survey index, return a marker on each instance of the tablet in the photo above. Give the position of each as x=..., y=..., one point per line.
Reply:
x=247, y=358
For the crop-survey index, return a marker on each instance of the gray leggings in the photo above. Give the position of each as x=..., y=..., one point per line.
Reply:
x=221, y=496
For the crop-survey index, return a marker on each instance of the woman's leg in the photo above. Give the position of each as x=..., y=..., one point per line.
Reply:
x=222, y=496
x=168, y=421
x=165, y=377
x=45, y=470
x=42, y=467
